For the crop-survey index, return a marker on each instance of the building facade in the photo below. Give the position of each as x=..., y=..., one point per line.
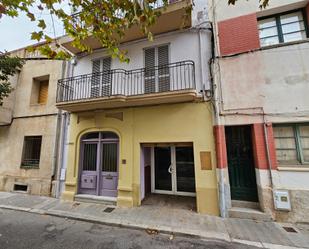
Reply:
x=262, y=111
x=29, y=121
x=144, y=127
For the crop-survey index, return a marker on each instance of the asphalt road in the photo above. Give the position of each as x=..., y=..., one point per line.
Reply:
x=32, y=231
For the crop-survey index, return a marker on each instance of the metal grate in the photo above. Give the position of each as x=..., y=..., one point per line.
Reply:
x=108, y=210
x=31, y=151
x=289, y=229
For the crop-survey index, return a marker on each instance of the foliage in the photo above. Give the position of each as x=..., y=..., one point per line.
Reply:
x=263, y=3
x=104, y=20
x=8, y=67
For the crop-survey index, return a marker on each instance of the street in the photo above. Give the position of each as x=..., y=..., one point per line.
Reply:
x=30, y=231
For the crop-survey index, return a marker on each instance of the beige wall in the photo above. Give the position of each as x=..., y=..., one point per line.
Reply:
x=29, y=120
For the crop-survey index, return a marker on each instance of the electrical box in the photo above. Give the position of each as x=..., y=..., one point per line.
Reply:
x=282, y=200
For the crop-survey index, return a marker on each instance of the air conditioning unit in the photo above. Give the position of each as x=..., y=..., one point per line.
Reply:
x=282, y=200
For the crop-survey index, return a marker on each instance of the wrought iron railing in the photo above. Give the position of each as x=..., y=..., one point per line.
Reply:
x=165, y=78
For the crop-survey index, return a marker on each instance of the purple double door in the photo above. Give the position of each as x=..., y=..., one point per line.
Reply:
x=99, y=164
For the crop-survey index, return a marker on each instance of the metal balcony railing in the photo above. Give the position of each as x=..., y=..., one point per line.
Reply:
x=118, y=82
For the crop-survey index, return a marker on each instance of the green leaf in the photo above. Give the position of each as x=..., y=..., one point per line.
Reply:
x=31, y=16
x=42, y=24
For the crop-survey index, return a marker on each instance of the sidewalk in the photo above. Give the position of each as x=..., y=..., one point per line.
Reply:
x=164, y=220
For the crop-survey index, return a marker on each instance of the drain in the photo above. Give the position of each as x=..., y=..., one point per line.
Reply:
x=108, y=210
x=290, y=229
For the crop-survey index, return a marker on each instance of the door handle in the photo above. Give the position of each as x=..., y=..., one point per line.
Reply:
x=170, y=169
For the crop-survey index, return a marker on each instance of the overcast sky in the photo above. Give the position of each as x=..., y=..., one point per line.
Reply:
x=16, y=32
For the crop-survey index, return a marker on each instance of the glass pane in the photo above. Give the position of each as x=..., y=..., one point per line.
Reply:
x=163, y=179
x=185, y=169
x=109, y=135
x=293, y=17
x=294, y=36
x=284, y=131
x=109, y=157
x=90, y=157
x=304, y=139
x=269, y=41
x=285, y=145
x=287, y=156
x=293, y=27
x=266, y=23
x=91, y=135
x=269, y=32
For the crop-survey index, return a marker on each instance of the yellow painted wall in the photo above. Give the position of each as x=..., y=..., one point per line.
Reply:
x=187, y=122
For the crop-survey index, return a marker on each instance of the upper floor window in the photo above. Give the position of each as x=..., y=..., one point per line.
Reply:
x=282, y=28
x=39, y=92
x=292, y=144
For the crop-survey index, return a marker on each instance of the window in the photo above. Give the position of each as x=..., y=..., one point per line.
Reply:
x=39, y=93
x=101, y=82
x=31, y=152
x=282, y=28
x=292, y=144
x=157, y=80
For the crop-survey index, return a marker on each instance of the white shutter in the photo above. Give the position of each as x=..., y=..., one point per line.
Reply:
x=95, y=80
x=107, y=76
x=163, y=73
x=150, y=73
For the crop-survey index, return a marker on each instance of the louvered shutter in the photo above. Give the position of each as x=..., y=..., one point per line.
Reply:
x=43, y=92
x=164, y=74
x=150, y=73
x=95, y=80
x=106, y=76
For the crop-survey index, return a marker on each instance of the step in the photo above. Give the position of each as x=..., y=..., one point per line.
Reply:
x=249, y=213
x=110, y=201
x=245, y=204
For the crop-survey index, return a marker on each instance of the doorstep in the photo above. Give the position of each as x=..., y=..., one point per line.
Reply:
x=106, y=200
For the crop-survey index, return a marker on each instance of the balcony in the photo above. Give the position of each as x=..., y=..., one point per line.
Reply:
x=171, y=83
x=172, y=19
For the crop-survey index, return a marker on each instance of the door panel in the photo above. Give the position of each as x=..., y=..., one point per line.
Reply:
x=88, y=178
x=109, y=169
x=163, y=178
x=240, y=163
x=185, y=175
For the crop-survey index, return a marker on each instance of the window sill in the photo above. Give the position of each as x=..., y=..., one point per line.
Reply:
x=37, y=105
x=29, y=167
x=295, y=168
x=285, y=44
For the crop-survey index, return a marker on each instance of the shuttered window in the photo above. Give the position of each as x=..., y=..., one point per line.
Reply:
x=157, y=80
x=43, y=92
x=31, y=152
x=102, y=78
x=292, y=144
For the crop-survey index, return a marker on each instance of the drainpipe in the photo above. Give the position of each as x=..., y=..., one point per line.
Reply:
x=55, y=165
x=222, y=200
x=268, y=152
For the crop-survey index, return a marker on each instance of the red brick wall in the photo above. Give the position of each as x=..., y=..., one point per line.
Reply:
x=259, y=147
x=221, y=153
x=238, y=35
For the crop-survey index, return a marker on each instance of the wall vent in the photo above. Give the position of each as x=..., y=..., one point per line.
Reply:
x=20, y=187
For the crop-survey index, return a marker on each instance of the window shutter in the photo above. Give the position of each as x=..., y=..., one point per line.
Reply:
x=95, y=80
x=164, y=74
x=150, y=62
x=107, y=76
x=43, y=92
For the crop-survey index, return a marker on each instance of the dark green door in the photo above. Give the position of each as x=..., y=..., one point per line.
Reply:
x=240, y=163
